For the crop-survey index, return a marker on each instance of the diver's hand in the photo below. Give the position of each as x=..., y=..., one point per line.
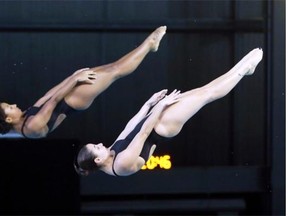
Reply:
x=170, y=99
x=156, y=97
x=85, y=76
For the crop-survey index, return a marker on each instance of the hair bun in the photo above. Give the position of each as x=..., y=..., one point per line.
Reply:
x=79, y=170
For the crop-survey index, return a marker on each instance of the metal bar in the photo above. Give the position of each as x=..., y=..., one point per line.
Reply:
x=174, y=26
x=155, y=206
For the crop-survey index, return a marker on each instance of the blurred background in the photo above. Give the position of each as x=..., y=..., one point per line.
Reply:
x=229, y=158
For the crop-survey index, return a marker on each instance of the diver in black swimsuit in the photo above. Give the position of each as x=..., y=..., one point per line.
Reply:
x=75, y=93
x=165, y=120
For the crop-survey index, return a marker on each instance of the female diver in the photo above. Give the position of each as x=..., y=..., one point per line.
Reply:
x=75, y=93
x=160, y=118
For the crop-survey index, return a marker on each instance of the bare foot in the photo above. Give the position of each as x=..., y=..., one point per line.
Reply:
x=245, y=58
x=155, y=37
x=253, y=60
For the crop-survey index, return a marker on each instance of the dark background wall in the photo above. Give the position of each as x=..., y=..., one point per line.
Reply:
x=239, y=139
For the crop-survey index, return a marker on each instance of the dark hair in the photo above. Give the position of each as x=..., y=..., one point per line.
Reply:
x=84, y=162
x=4, y=126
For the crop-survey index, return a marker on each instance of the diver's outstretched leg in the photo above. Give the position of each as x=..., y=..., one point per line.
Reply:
x=190, y=102
x=128, y=63
x=82, y=96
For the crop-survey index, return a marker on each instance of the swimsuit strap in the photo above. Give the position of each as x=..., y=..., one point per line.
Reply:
x=22, y=128
x=113, y=166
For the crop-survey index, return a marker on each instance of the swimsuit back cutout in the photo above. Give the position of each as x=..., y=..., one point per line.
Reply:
x=61, y=108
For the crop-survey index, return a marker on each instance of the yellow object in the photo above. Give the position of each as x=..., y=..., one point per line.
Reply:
x=162, y=161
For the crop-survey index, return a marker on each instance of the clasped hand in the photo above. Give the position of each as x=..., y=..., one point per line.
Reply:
x=164, y=98
x=85, y=75
x=170, y=99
